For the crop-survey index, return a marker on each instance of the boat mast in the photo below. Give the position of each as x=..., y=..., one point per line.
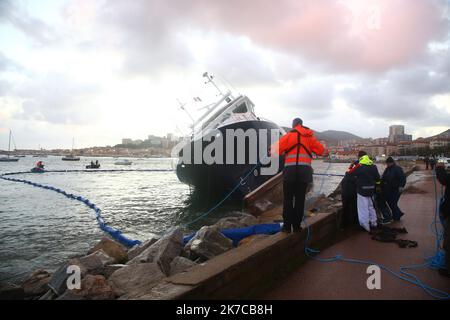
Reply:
x=9, y=142
x=210, y=80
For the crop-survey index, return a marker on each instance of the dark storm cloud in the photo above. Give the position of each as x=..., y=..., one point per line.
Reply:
x=34, y=28
x=322, y=31
x=404, y=94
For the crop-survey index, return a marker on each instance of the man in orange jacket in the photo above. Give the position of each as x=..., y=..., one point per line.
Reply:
x=297, y=146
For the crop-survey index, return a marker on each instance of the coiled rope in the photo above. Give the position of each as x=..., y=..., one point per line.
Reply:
x=433, y=262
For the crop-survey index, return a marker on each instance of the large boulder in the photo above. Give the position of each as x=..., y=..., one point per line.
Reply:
x=93, y=287
x=93, y=263
x=58, y=280
x=237, y=220
x=141, y=277
x=36, y=284
x=139, y=248
x=111, y=248
x=162, y=251
x=180, y=264
x=208, y=242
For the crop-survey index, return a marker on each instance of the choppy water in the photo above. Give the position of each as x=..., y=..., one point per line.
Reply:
x=40, y=228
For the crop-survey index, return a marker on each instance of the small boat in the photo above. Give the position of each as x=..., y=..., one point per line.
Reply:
x=8, y=158
x=70, y=157
x=124, y=162
x=93, y=166
x=37, y=170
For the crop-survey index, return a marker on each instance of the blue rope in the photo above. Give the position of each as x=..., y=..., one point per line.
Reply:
x=243, y=179
x=403, y=275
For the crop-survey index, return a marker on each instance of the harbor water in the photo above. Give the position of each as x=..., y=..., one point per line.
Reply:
x=39, y=228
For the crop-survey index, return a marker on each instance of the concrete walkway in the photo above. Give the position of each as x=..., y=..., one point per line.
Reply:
x=340, y=280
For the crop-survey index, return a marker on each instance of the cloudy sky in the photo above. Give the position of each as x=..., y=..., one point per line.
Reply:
x=103, y=70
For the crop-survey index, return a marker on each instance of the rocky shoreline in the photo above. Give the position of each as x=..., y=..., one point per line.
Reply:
x=111, y=271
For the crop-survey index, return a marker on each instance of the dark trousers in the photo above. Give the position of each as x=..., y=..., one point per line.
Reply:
x=294, y=191
x=382, y=207
x=349, y=212
x=392, y=197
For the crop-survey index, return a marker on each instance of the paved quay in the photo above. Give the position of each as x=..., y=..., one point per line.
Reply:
x=341, y=280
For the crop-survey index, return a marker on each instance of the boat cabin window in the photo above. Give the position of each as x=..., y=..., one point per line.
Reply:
x=242, y=108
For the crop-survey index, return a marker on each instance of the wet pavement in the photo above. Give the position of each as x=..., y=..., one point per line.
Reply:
x=340, y=280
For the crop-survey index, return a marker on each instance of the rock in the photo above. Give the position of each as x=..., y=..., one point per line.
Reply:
x=208, y=242
x=180, y=264
x=37, y=283
x=94, y=287
x=93, y=263
x=58, y=280
x=250, y=239
x=262, y=205
x=162, y=251
x=112, y=249
x=138, y=249
x=49, y=295
x=9, y=291
x=236, y=220
x=110, y=269
x=134, y=278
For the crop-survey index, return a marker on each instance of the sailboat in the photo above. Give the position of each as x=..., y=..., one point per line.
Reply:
x=8, y=158
x=71, y=156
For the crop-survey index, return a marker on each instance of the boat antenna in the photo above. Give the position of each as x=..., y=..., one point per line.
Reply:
x=210, y=80
x=189, y=115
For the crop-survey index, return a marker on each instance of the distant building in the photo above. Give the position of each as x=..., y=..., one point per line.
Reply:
x=170, y=137
x=381, y=141
x=439, y=143
x=375, y=150
x=391, y=149
x=137, y=142
x=127, y=141
x=420, y=144
x=397, y=134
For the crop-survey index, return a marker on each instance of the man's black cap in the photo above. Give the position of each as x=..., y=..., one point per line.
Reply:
x=389, y=160
x=297, y=121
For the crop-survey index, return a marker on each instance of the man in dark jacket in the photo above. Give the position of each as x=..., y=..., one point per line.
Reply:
x=444, y=179
x=367, y=176
x=393, y=180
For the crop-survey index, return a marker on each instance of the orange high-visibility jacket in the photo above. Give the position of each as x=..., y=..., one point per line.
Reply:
x=289, y=144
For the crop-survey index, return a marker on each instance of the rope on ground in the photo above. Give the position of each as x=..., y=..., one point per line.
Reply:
x=403, y=275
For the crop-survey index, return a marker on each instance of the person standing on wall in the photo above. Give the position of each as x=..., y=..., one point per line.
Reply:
x=393, y=182
x=444, y=179
x=367, y=176
x=297, y=146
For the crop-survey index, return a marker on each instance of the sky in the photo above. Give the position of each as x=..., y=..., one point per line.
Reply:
x=100, y=71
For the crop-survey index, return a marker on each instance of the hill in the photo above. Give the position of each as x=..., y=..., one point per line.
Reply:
x=442, y=135
x=334, y=135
